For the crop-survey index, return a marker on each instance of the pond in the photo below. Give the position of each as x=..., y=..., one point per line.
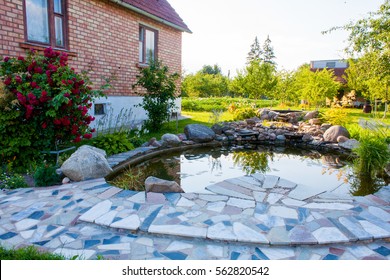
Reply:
x=196, y=169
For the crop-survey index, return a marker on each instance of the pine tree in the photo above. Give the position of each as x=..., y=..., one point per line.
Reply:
x=268, y=52
x=255, y=52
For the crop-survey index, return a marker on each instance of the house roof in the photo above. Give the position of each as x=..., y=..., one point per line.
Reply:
x=159, y=10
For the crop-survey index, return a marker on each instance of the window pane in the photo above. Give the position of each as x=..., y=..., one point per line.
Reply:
x=59, y=33
x=58, y=6
x=37, y=21
x=141, y=44
x=149, y=41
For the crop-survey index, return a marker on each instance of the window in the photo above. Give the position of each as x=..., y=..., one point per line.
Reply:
x=330, y=64
x=45, y=22
x=147, y=44
x=100, y=109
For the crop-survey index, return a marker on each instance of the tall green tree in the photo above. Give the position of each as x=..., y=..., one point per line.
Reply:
x=268, y=52
x=255, y=53
x=369, y=40
x=315, y=87
x=286, y=88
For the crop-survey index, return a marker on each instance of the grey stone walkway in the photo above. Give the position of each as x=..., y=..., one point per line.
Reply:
x=250, y=217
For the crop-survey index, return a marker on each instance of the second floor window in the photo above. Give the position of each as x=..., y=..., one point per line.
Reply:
x=147, y=44
x=46, y=22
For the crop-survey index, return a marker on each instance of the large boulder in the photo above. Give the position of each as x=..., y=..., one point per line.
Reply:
x=199, y=133
x=86, y=163
x=157, y=185
x=332, y=133
x=170, y=140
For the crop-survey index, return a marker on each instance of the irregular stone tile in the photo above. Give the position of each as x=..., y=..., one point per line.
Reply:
x=221, y=232
x=213, y=197
x=228, y=190
x=137, y=198
x=270, y=181
x=284, y=212
x=54, y=232
x=180, y=230
x=359, y=251
x=293, y=202
x=259, y=196
x=96, y=211
x=278, y=253
x=326, y=235
x=231, y=210
x=272, y=198
x=329, y=206
x=106, y=219
x=246, y=182
x=216, y=251
x=355, y=228
x=259, y=177
x=27, y=234
x=375, y=231
x=109, y=193
x=302, y=192
x=246, y=234
x=383, y=251
x=301, y=235
x=241, y=203
x=175, y=255
x=380, y=213
x=179, y=245
x=25, y=224
x=131, y=223
x=279, y=236
x=286, y=184
x=119, y=246
x=145, y=241
x=70, y=253
x=184, y=202
x=216, y=206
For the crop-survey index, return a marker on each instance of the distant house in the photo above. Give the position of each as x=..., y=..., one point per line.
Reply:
x=109, y=37
x=338, y=66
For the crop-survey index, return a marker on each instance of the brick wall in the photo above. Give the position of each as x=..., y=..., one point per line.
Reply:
x=102, y=35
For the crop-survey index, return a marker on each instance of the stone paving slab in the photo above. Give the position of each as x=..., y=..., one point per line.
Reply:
x=93, y=218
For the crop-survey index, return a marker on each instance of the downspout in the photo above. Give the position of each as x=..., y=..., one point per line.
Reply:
x=149, y=15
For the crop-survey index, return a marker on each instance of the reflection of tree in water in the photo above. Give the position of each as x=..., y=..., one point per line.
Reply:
x=364, y=184
x=252, y=162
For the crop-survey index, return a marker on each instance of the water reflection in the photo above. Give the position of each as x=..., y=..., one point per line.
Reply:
x=196, y=169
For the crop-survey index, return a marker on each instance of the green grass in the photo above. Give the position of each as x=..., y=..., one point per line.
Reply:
x=27, y=253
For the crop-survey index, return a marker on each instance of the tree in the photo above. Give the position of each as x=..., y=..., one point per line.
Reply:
x=255, y=53
x=315, y=87
x=268, y=52
x=159, y=99
x=211, y=70
x=257, y=80
x=286, y=89
x=369, y=40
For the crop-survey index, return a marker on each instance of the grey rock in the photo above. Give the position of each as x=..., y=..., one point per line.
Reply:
x=342, y=139
x=170, y=140
x=281, y=138
x=315, y=121
x=217, y=129
x=199, y=133
x=88, y=147
x=334, y=132
x=86, y=163
x=307, y=138
x=311, y=115
x=350, y=144
x=156, y=185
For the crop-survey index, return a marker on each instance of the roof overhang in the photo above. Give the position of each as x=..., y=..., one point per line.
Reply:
x=151, y=16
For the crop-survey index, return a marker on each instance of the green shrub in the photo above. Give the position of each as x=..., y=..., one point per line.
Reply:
x=27, y=253
x=244, y=113
x=44, y=103
x=46, y=175
x=12, y=181
x=335, y=116
x=222, y=103
x=114, y=143
x=159, y=99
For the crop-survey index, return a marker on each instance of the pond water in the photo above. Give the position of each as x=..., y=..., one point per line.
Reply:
x=196, y=169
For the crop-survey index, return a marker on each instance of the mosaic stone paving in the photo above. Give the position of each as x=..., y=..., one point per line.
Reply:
x=250, y=217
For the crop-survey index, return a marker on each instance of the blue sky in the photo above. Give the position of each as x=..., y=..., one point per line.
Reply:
x=223, y=30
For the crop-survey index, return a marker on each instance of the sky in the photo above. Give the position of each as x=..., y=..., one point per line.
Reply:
x=223, y=30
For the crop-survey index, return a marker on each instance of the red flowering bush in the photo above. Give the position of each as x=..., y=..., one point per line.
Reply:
x=47, y=105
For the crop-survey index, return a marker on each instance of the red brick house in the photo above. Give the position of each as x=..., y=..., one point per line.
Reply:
x=109, y=37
